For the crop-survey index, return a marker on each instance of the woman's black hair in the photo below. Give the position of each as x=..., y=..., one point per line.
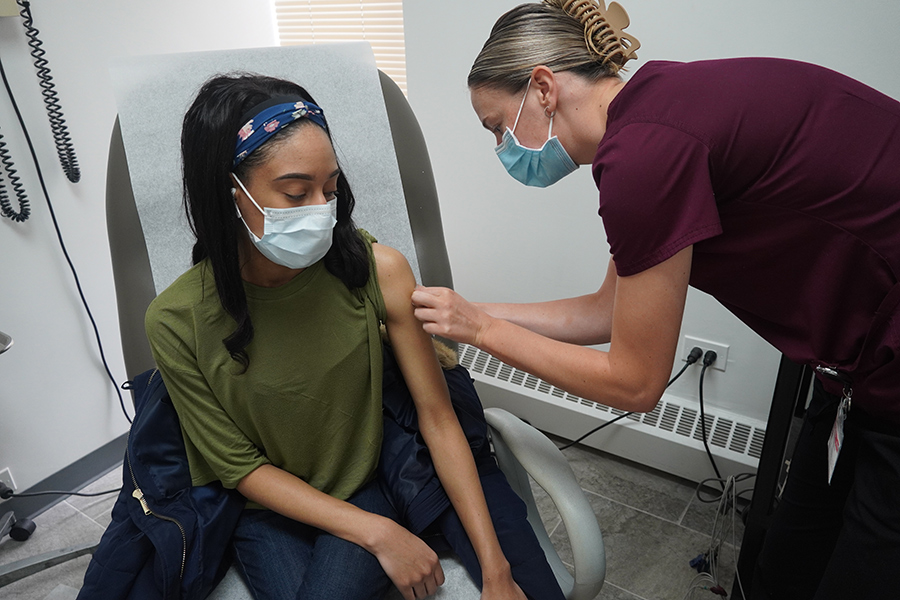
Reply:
x=208, y=139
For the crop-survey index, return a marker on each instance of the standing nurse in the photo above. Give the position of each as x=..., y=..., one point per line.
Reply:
x=772, y=185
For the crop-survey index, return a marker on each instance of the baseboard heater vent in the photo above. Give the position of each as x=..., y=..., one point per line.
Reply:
x=736, y=439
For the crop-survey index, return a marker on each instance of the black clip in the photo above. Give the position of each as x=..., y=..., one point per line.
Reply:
x=835, y=375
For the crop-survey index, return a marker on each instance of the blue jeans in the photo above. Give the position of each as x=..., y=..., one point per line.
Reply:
x=282, y=559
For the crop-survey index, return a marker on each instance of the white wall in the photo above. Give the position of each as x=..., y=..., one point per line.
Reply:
x=512, y=243
x=507, y=242
x=56, y=404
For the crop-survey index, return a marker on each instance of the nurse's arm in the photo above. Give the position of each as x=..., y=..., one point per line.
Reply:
x=583, y=320
x=646, y=320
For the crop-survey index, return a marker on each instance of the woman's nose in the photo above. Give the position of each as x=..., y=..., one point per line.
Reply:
x=321, y=197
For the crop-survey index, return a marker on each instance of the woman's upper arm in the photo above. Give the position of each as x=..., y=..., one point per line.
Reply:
x=395, y=278
x=411, y=344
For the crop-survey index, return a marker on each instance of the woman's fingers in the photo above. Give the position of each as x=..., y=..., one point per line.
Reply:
x=431, y=583
x=426, y=587
x=410, y=564
x=422, y=590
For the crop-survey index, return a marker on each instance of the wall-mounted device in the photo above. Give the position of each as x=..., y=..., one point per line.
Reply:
x=61, y=138
x=6, y=342
x=9, y=8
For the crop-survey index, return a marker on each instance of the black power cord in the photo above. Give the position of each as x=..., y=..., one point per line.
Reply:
x=708, y=359
x=6, y=493
x=692, y=357
x=717, y=496
x=62, y=243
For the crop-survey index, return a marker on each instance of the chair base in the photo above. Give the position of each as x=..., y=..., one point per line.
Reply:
x=29, y=566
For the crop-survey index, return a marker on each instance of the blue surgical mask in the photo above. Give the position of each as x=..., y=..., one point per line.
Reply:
x=535, y=167
x=294, y=237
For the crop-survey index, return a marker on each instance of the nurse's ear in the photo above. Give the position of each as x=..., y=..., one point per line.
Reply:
x=547, y=84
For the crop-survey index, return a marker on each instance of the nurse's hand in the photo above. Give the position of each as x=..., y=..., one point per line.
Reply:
x=445, y=313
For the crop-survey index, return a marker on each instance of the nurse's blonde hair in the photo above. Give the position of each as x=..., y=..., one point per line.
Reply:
x=582, y=36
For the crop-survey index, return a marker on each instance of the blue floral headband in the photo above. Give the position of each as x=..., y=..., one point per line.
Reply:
x=269, y=118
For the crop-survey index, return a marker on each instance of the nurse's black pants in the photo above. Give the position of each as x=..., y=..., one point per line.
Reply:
x=838, y=541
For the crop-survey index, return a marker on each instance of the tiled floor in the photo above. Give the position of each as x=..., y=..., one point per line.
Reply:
x=73, y=522
x=652, y=525
x=651, y=522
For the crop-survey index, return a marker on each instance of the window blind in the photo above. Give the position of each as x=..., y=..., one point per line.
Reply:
x=378, y=22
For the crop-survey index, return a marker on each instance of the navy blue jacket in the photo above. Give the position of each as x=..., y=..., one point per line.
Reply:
x=405, y=469
x=167, y=539
x=410, y=482
x=178, y=549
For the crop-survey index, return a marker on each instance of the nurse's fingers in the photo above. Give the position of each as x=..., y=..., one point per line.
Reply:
x=429, y=296
x=445, y=313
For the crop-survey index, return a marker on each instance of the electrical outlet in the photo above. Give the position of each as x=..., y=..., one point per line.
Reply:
x=721, y=350
x=6, y=477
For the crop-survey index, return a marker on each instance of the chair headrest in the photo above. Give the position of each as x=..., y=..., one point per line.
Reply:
x=153, y=93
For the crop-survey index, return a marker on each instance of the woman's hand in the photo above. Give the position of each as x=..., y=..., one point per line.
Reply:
x=445, y=313
x=408, y=561
x=501, y=588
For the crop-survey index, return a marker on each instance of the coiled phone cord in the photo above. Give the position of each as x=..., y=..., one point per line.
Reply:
x=59, y=237
x=15, y=183
x=61, y=137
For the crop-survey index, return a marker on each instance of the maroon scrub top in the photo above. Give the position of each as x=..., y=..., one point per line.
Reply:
x=785, y=177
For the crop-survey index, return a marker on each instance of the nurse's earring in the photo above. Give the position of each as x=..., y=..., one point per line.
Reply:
x=549, y=113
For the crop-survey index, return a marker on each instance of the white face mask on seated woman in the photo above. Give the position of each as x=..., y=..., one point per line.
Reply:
x=295, y=237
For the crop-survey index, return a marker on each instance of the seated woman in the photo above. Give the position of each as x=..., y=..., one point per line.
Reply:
x=270, y=348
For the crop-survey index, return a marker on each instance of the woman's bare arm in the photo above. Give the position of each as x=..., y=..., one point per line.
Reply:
x=438, y=423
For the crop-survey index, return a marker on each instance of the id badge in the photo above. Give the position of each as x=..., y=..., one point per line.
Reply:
x=836, y=439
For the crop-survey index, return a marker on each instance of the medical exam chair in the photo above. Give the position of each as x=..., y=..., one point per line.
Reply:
x=520, y=449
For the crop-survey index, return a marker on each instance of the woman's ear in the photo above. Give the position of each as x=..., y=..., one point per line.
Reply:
x=547, y=85
x=236, y=187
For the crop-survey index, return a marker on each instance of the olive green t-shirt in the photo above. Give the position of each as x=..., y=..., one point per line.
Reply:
x=310, y=401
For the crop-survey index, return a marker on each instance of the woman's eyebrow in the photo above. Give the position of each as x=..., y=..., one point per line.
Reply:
x=305, y=176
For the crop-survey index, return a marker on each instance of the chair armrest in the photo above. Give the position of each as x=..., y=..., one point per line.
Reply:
x=537, y=456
